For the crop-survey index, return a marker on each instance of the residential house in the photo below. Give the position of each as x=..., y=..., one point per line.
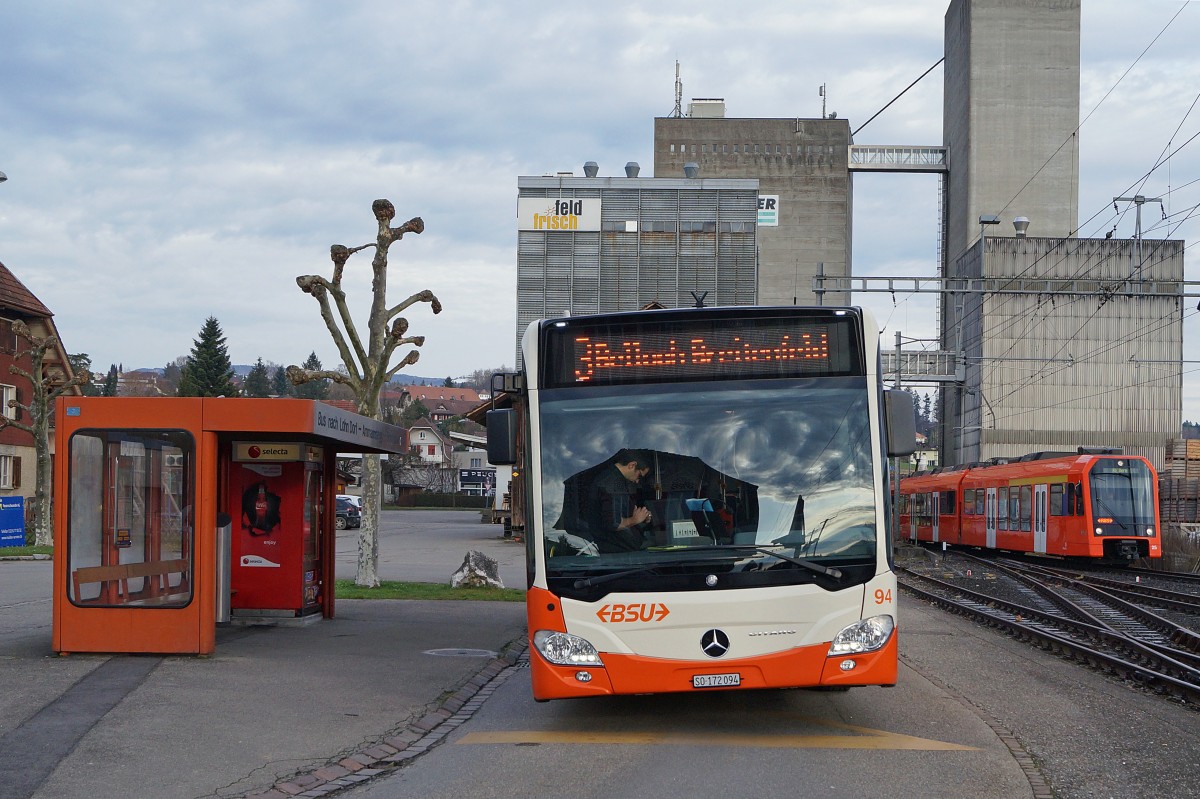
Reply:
x=430, y=465
x=18, y=459
x=441, y=402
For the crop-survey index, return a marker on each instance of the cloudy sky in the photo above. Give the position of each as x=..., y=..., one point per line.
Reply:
x=169, y=162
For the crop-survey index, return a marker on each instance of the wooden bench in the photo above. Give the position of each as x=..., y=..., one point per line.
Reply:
x=156, y=574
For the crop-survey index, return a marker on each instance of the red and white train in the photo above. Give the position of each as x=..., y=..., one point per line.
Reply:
x=1074, y=505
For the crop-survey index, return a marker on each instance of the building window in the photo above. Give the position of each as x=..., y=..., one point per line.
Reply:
x=8, y=394
x=431, y=450
x=672, y=148
x=8, y=339
x=724, y=148
x=10, y=471
x=476, y=463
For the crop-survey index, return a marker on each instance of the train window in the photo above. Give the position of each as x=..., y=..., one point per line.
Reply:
x=980, y=498
x=1078, y=498
x=1026, y=506
x=947, y=503
x=968, y=501
x=1002, y=509
x=921, y=509
x=1058, y=500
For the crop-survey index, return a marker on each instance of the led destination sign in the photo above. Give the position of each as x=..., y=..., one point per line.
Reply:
x=705, y=349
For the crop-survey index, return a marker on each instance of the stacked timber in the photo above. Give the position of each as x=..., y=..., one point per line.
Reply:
x=1179, y=499
x=1183, y=458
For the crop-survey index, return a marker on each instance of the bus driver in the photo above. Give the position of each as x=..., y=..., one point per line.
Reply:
x=605, y=505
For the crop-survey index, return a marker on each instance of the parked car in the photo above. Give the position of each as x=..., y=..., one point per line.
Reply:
x=353, y=499
x=348, y=515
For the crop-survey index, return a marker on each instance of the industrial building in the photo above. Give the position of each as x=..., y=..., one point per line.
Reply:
x=1047, y=341
x=596, y=244
x=1064, y=342
x=805, y=184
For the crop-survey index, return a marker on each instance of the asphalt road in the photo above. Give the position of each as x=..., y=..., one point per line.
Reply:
x=427, y=546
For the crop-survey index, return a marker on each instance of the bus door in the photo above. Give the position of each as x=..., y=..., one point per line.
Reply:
x=936, y=510
x=1039, y=518
x=990, y=518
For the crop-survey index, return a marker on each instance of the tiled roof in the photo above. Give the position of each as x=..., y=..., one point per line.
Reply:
x=345, y=405
x=14, y=296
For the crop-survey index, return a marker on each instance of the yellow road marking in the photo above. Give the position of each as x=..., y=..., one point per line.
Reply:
x=866, y=739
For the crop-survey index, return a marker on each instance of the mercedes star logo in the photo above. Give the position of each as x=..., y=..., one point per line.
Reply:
x=714, y=643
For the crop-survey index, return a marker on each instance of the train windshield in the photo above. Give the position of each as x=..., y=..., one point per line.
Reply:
x=667, y=479
x=1122, y=497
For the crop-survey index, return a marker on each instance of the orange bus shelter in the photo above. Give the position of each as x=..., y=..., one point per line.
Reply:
x=175, y=514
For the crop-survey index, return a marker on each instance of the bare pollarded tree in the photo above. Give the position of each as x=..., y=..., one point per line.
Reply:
x=368, y=364
x=48, y=382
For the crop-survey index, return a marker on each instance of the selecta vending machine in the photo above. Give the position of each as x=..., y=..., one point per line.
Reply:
x=276, y=490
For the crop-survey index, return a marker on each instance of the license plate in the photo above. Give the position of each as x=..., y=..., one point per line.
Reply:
x=715, y=680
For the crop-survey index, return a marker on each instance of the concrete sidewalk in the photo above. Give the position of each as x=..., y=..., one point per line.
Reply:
x=276, y=711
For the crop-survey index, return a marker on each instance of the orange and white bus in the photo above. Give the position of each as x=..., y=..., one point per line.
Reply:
x=707, y=501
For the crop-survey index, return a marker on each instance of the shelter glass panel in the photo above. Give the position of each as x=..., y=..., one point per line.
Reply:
x=131, y=517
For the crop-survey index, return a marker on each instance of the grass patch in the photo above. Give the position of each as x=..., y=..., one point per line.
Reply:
x=31, y=550
x=392, y=589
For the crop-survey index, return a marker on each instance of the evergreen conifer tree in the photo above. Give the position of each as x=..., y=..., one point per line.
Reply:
x=258, y=381
x=110, y=382
x=313, y=389
x=280, y=385
x=208, y=371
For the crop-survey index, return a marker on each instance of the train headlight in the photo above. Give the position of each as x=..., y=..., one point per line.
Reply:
x=565, y=649
x=863, y=636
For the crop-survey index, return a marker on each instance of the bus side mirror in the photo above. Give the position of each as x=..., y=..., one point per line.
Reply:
x=900, y=419
x=501, y=436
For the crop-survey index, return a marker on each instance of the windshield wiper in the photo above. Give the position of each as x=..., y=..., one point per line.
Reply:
x=808, y=564
x=588, y=582
x=1099, y=501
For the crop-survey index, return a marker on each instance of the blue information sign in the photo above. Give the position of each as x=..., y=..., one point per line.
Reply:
x=12, y=521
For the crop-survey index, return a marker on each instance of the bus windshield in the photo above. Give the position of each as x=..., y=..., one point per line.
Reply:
x=641, y=475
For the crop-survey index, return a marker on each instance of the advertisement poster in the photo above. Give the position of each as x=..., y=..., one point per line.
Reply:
x=12, y=521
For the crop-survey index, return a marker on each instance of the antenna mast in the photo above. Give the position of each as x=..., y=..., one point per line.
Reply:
x=678, y=112
x=1139, y=200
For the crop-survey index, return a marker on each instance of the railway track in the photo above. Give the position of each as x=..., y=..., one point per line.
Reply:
x=1070, y=617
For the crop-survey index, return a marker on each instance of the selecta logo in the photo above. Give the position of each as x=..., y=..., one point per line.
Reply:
x=255, y=451
x=637, y=611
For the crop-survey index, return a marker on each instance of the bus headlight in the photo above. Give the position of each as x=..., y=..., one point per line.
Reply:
x=565, y=649
x=863, y=636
